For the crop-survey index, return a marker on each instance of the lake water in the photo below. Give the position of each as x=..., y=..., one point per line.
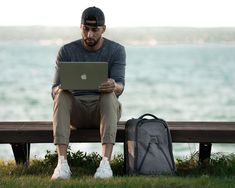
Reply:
x=174, y=82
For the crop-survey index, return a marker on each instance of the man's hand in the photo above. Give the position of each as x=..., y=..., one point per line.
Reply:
x=111, y=86
x=56, y=90
x=108, y=86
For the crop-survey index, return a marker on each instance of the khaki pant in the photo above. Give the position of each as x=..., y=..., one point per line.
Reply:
x=101, y=112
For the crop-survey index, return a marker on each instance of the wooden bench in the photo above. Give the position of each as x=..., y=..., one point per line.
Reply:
x=21, y=133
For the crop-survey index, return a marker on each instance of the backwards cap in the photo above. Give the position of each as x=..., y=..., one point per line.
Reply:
x=93, y=16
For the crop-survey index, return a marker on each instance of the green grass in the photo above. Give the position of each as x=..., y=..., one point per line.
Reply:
x=218, y=172
x=135, y=182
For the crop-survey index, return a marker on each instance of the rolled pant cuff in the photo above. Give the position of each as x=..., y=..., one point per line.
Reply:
x=108, y=140
x=61, y=140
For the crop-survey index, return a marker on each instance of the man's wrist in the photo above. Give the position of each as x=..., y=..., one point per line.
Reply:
x=118, y=88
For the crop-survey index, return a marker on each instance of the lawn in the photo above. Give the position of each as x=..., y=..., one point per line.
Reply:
x=203, y=181
x=218, y=172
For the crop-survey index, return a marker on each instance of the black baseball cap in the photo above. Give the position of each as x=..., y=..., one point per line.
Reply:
x=93, y=16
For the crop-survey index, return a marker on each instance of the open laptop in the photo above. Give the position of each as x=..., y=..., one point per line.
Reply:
x=82, y=75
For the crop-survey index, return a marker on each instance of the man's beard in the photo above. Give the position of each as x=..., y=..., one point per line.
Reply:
x=91, y=42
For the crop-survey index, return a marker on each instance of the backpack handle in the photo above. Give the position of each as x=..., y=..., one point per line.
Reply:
x=153, y=116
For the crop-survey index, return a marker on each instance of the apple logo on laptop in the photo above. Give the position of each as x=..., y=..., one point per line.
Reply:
x=83, y=76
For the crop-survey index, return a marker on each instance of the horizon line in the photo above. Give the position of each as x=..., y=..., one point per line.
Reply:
x=115, y=27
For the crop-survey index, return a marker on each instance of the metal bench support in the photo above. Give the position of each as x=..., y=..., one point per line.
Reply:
x=21, y=152
x=204, y=152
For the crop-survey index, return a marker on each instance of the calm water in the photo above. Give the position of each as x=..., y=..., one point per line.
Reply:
x=174, y=82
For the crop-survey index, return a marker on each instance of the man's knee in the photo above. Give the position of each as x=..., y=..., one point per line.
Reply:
x=63, y=102
x=109, y=105
x=63, y=97
x=108, y=98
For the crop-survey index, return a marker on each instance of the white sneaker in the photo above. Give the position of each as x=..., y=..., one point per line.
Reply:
x=62, y=171
x=104, y=170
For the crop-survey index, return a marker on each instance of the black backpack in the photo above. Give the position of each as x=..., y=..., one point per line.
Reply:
x=148, y=147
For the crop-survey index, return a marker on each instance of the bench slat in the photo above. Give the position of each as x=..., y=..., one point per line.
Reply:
x=189, y=132
x=173, y=125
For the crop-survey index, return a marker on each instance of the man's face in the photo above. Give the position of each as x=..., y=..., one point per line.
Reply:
x=92, y=35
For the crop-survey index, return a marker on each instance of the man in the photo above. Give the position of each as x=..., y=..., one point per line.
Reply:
x=99, y=109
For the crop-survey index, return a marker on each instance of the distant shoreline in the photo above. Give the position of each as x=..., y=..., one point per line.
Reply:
x=132, y=35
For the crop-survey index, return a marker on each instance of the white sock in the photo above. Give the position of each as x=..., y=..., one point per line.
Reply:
x=105, y=159
x=62, y=160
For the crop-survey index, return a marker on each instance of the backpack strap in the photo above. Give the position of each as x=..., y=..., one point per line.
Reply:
x=153, y=116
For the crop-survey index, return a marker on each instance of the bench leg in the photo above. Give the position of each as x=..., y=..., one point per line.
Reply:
x=21, y=152
x=204, y=151
x=125, y=153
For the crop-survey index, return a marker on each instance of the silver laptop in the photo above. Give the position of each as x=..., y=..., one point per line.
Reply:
x=82, y=75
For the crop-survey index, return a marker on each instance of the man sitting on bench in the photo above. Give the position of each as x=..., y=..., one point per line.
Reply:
x=89, y=109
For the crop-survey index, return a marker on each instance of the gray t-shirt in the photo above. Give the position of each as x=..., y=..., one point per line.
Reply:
x=110, y=52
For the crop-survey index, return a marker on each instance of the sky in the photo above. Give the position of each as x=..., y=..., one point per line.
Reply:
x=120, y=13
